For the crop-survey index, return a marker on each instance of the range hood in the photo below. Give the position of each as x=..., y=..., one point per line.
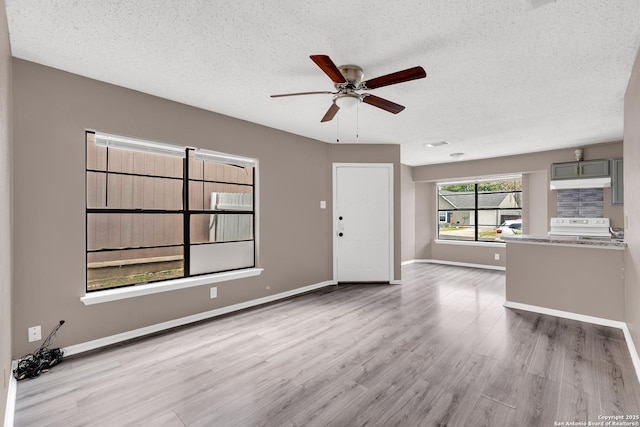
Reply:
x=565, y=184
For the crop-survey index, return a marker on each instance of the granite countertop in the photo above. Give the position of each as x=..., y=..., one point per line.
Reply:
x=523, y=238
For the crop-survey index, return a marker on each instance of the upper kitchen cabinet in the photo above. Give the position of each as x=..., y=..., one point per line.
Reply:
x=584, y=169
x=594, y=168
x=565, y=170
x=617, y=182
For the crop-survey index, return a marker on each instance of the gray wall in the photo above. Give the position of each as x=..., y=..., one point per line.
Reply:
x=425, y=208
x=52, y=109
x=632, y=203
x=539, y=201
x=408, y=193
x=5, y=207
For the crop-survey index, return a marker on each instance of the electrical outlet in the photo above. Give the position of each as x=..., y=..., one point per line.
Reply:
x=323, y=204
x=213, y=293
x=496, y=257
x=35, y=333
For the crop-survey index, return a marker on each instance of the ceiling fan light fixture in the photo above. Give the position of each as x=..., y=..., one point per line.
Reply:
x=347, y=101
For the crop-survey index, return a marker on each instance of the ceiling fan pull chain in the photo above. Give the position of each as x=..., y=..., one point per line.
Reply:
x=358, y=120
x=338, y=128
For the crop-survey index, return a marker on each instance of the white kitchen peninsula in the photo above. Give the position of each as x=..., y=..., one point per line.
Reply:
x=584, y=277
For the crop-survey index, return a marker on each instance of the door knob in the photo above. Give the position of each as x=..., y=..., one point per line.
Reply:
x=340, y=234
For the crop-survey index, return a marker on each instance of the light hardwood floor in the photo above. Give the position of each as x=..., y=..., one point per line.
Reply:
x=439, y=350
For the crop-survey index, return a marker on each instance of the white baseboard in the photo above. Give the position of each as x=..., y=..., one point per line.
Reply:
x=10, y=407
x=565, y=314
x=136, y=333
x=455, y=263
x=587, y=319
x=632, y=349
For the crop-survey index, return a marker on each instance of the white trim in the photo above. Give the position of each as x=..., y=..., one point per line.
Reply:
x=135, y=144
x=587, y=319
x=496, y=244
x=10, y=407
x=479, y=179
x=565, y=314
x=216, y=156
x=632, y=349
x=114, y=339
x=395, y=282
x=454, y=263
x=390, y=168
x=108, y=295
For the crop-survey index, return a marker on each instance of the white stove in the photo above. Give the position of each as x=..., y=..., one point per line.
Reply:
x=580, y=228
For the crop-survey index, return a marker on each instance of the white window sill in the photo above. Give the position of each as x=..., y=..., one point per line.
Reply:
x=470, y=243
x=99, y=297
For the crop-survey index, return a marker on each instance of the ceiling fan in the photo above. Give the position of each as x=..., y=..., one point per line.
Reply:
x=347, y=79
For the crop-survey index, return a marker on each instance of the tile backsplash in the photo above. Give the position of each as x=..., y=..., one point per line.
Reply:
x=581, y=203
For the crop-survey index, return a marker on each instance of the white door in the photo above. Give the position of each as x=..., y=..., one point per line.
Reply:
x=363, y=222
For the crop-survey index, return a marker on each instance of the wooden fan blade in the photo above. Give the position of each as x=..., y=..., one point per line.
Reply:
x=303, y=93
x=397, y=77
x=329, y=68
x=389, y=106
x=331, y=113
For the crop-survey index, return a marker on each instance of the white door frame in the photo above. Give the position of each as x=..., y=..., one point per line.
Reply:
x=388, y=166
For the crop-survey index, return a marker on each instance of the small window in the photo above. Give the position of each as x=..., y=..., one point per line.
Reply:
x=483, y=210
x=157, y=212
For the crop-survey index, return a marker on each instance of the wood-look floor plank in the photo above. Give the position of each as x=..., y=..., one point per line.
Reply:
x=548, y=357
x=577, y=405
x=488, y=413
x=618, y=389
x=169, y=419
x=522, y=340
x=581, y=340
x=613, y=351
x=503, y=384
x=580, y=373
x=412, y=407
x=438, y=350
x=537, y=402
x=461, y=391
x=494, y=344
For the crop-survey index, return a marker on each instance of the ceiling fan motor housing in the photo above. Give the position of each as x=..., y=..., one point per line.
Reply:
x=353, y=75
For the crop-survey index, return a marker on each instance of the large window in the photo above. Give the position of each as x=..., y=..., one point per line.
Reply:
x=484, y=210
x=158, y=212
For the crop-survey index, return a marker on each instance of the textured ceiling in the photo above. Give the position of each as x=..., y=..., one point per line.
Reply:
x=503, y=76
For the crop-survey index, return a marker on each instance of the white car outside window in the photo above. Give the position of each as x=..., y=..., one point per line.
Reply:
x=509, y=228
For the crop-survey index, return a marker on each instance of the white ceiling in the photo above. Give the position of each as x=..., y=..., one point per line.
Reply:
x=503, y=76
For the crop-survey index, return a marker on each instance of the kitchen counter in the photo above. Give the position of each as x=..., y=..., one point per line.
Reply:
x=567, y=241
x=583, y=277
